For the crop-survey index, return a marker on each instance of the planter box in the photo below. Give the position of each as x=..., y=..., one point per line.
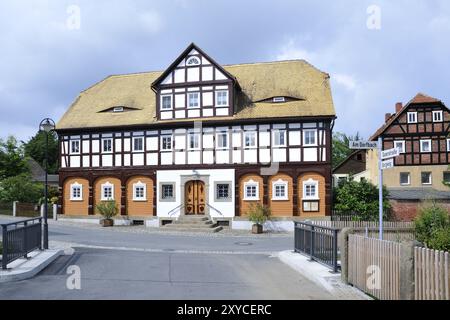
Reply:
x=106, y=222
x=257, y=229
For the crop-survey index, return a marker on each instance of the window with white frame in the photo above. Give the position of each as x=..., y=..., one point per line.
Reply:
x=310, y=137
x=222, y=140
x=222, y=98
x=194, y=141
x=193, y=100
x=311, y=189
x=107, y=191
x=250, y=139
x=107, y=145
x=167, y=191
x=279, y=138
x=166, y=102
x=400, y=144
x=437, y=116
x=76, y=192
x=138, y=144
x=448, y=145
x=412, y=117
x=425, y=178
x=75, y=146
x=166, y=142
x=425, y=145
x=139, y=191
x=405, y=178
x=280, y=190
x=251, y=190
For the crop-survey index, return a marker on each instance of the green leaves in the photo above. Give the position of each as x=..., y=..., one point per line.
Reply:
x=341, y=149
x=432, y=227
x=20, y=188
x=258, y=213
x=360, y=198
x=35, y=148
x=107, y=209
x=12, y=158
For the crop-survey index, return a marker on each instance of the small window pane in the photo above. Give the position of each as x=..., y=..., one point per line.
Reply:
x=404, y=178
x=193, y=100
x=166, y=143
x=107, y=145
x=138, y=144
x=426, y=177
x=222, y=140
x=75, y=146
x=167, y=191
x=447, y=177
x=250, y=139
x=223, y=191
x=194, y=141
x=166, y=102
x=222, y=98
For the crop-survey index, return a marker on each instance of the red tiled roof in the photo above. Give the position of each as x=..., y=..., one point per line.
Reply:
x=418, y=99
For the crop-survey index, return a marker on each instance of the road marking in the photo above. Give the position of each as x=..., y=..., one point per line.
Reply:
x=221, y=252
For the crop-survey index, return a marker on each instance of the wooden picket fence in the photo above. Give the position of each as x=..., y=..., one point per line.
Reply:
x=431, y=273
x=366, y=253
x=364, y=224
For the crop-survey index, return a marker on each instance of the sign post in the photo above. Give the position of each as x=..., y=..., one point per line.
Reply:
x=385, y=161
x=380, y=187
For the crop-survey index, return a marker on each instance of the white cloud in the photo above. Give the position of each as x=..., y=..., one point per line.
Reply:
x=347, y=81
x=291, y=52
x=151, y=21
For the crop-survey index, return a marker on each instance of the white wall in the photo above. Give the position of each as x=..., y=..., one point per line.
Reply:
x=215, y=175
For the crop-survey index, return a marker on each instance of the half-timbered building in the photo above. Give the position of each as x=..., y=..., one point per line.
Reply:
x=200, y=139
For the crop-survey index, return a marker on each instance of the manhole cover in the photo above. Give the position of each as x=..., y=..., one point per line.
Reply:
x=243, y=243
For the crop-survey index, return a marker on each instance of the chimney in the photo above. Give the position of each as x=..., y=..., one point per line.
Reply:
x=387, y=116
x=398, y=107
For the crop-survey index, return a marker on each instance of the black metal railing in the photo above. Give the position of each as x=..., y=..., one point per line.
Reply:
x=19, y=239
x=319, y=243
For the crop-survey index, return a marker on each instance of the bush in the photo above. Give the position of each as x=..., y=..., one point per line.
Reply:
x=20, y=188
x=431, y=225
x=259, y=213
x=440, y=240
x=107, y=209
x=360, y=198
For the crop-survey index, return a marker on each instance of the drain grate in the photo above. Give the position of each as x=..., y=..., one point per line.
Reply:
x=243, y=243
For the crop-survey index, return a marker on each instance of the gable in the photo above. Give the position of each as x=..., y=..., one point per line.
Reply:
x=193, y=66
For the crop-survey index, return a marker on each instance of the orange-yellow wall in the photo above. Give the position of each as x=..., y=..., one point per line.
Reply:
x=243, y=204
x=98, y=191
x=283, y=208
x=140, y=208
x=321, y=181
x=76, y=208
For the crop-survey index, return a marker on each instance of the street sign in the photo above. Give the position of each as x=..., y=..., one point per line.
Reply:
x=390, y=153
x=363, y=144
x=387, y=164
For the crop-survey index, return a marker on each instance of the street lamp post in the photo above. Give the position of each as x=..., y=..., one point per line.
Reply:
x=47, y=125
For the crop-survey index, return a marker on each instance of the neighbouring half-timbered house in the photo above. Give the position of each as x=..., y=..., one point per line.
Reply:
x=200, y=139
x=421, y=130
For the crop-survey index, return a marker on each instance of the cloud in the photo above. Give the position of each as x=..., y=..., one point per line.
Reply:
x=347, y=81
x=290, y=51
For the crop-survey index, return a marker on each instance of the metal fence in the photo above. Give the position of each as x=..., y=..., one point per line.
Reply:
x=19, y=239
x=319, y=243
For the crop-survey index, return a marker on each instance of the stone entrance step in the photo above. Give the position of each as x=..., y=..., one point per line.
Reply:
x=193, y=224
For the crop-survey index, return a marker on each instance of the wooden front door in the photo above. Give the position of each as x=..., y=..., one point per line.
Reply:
x=195, y=202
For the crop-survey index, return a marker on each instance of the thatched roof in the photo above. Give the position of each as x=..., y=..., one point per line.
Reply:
x=259, y=81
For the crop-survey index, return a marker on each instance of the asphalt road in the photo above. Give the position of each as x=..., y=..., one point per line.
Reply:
x=129, y=265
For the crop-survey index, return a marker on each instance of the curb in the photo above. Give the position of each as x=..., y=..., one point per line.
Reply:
x=31, y=267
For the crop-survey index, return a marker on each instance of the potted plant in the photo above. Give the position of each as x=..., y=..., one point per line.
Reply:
x=108, y=210
x=258, y=214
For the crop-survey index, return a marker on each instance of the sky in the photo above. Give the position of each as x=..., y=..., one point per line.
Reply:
x=377, y=52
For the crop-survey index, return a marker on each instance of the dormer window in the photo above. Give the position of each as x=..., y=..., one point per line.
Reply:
x=222, y=98
x=278, y=99
x=166, y=102
x=118, y=109
x=193, y=61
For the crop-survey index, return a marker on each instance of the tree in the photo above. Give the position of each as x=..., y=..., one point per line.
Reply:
x=432, y=227
x=12, y=158
x=361, y=198
x=341, y=148
x=35, y=148
x=20, y=188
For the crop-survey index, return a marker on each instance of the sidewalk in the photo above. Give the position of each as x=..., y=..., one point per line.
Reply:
x=22, y=269
x=322, y=276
